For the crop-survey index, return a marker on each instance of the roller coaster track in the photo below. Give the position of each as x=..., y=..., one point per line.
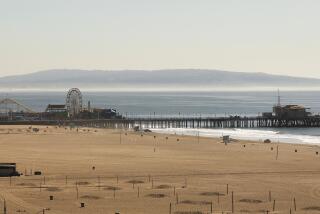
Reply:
x=8, y=101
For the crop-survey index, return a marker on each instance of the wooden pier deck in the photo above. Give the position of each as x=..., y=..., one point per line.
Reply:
x=182, y=122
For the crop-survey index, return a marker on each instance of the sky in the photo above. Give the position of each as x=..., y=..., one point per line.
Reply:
x=272, y=36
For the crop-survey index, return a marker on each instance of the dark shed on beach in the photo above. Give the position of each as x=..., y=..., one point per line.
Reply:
x=8, y=169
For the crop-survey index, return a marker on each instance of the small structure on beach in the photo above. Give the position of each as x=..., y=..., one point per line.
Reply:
x=267, y=141
x=226, y=139
x=8, y=170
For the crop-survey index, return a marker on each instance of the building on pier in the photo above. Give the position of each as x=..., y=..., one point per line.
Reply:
x=291, y=112
x=55, y=111
x=53, y=108
x=99, y=113
x=287, y=112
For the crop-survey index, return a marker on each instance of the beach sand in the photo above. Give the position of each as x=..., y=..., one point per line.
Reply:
x=128, y=173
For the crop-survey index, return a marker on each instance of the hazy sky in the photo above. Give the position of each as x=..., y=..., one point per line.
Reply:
x=274, y=36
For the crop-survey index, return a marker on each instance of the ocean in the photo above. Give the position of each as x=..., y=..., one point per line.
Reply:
x=204, y=104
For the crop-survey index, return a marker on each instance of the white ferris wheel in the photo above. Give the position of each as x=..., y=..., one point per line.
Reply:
x=74, y=102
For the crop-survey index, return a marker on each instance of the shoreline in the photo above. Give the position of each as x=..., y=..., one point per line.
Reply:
x=254, y=134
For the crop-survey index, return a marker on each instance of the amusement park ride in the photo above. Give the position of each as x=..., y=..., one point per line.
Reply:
x=11, y=109
x=74, y=102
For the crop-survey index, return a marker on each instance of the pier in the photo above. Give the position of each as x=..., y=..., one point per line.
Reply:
x=181, y=122
x=74, y=114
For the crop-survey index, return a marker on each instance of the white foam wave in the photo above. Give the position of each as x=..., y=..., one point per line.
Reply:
x=246, y=134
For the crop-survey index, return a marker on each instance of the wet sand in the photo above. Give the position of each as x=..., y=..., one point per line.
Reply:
x=125, y=172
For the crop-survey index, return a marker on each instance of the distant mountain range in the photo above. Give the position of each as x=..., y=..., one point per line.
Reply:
x=143, y=79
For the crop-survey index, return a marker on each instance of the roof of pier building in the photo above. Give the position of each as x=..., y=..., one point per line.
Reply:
x=56, y=108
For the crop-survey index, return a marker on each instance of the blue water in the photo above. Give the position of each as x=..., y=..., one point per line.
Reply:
x=150, y=104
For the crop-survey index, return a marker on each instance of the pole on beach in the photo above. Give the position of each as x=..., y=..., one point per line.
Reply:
x=269, y=196
x=274, y=205
x=232, y=202
x=198, y=137
x=170, y=208
x=294, y=203
x=4, y=207
x=77, y=190
x=277, y=153
x=227, y=189
x=99, y=182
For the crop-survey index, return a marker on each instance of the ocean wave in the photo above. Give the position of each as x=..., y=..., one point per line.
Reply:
x=246, y=134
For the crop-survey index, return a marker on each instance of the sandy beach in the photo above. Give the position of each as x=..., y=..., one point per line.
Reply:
x=133, y=173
